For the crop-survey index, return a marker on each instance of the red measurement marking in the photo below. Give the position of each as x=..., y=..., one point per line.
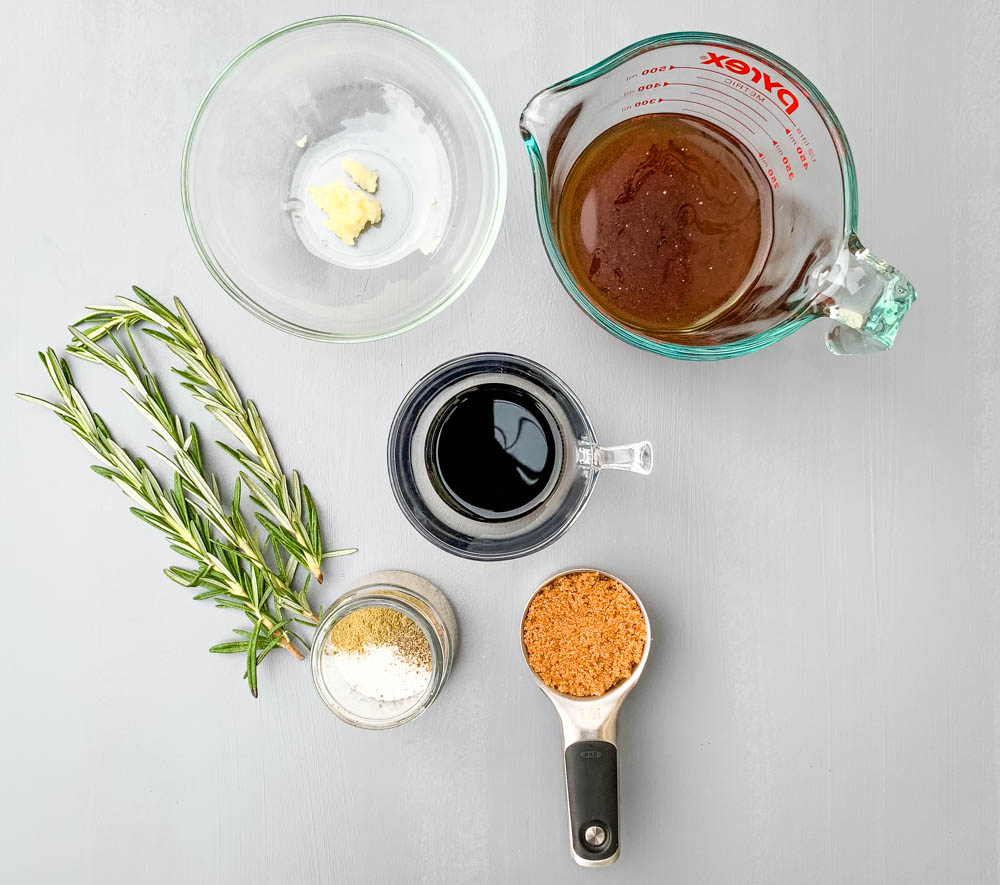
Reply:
x=709, y=116
x=770, y=172
x=726, y=77
x=749, y=107
x=739, y=107
x=784, y=160
x=738, y=87
x=659, y=100
x=747, y=89
x=805, y=154
x=740, y=68
x=749, y=129
x=728, y=105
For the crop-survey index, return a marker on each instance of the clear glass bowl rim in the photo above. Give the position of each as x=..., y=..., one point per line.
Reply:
x=665, y=348
x=459, y=284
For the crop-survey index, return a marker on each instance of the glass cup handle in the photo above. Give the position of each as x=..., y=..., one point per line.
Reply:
x=636, y=457
x=868, y=299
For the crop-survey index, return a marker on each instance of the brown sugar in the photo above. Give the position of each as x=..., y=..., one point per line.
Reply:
x=584, y=633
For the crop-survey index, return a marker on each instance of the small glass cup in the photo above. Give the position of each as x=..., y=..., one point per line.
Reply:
x=413, y=596
x=578, y=460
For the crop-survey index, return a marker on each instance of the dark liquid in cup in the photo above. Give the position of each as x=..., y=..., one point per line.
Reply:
x=491, y=452
x=665, y=222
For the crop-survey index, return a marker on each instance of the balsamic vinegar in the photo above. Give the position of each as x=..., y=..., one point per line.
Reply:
x=491, y=452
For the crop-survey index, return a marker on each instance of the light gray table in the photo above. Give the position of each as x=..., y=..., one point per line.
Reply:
x=818, y=545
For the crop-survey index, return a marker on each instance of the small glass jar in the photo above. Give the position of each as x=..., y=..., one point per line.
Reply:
x=418, y=599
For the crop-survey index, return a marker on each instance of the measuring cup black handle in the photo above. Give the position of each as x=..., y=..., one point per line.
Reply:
x=592, y=797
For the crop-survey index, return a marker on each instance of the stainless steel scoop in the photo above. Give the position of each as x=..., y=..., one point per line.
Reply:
x=590, y=754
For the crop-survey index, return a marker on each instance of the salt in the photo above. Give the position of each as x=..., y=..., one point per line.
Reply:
x=379, y=672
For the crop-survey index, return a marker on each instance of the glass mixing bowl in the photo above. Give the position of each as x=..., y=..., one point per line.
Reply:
x=282, y=117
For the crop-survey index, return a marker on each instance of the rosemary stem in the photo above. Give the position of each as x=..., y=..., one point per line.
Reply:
x=236, y=589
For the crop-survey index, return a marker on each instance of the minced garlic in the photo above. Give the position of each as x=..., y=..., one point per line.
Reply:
x=349, y=211
x=362, y=177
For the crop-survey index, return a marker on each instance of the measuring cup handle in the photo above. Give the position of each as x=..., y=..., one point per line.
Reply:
x=636, y=457
x=868, y=298
x=592, y=798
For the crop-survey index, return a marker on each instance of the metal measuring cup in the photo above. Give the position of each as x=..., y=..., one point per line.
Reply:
x=590, y=751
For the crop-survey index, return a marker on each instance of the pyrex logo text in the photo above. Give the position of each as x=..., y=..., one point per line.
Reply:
x=741, y=68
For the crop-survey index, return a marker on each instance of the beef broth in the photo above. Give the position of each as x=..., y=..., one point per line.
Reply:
x=665, y=223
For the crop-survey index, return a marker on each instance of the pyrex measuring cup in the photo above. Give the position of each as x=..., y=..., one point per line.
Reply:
x=816, y=266
x=590, y=753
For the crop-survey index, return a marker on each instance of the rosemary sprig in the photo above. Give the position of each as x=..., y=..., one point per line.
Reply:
x=188, y=528
x=201, y=490
x=228, y=560
x=289, y=516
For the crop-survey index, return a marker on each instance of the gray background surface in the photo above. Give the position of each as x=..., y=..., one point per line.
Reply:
x=818, y=545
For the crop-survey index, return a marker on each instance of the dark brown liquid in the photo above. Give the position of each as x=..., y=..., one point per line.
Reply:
x=664, y=222
x=491, y=452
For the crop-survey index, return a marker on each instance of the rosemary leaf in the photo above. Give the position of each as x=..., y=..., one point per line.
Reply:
x=252, y=659
x=230, y=648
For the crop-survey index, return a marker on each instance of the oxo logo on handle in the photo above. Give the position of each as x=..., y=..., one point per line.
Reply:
x=741, y=68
